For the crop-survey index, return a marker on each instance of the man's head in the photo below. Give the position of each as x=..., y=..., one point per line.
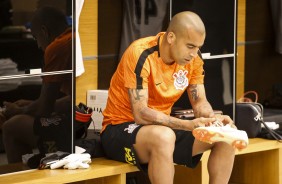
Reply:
x=185, y=35
x=47, y=24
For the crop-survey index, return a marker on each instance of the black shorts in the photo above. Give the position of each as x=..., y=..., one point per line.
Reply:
x=118, y=140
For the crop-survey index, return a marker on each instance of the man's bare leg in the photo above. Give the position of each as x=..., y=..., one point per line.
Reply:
x=220, y=163
x=18, y=137
x=155, y=146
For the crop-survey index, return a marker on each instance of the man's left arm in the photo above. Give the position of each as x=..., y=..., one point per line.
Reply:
x=201, y=106
x=198, y=100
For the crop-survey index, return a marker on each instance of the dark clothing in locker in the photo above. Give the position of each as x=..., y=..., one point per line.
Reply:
x=276, y=8
x=141, y=18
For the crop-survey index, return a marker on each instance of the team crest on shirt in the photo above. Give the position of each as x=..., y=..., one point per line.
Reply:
x=180, y=79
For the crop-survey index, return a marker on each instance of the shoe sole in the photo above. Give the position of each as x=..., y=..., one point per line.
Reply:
x=212, y=137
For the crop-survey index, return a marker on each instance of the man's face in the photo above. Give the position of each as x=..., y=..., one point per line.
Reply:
x=40, y=34
x=186, y=45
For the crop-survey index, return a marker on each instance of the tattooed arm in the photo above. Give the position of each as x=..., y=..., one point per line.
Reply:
x=201, y=106
x=198, y=100
x=147, y=116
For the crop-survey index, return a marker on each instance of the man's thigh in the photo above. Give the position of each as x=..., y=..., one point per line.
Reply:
x=20, y=127
x=118, y=140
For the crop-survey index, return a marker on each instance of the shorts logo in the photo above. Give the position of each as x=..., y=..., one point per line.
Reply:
x=45, y=122
x=131, y=128
x=129, y=156
x=180, y=79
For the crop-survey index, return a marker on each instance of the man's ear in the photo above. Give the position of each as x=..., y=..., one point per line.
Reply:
x=170, y=37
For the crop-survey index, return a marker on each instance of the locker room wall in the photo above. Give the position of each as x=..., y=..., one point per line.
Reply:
x=262, y=64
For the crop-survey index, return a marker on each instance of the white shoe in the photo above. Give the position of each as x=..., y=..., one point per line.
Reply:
x=236, y=138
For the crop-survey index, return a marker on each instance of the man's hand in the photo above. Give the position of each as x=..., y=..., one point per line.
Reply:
x=201, y=122
x=11, y=109
x=22, y=102
x=225, y=119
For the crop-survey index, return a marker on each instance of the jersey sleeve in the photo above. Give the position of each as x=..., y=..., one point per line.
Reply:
x=57, y=57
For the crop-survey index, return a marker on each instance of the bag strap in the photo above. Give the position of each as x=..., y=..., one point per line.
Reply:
x=274, y=134
x=259, y=117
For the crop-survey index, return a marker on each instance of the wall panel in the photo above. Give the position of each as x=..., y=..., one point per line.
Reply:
x=88, y=35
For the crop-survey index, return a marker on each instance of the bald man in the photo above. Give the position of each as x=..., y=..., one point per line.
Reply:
x=54, y=37
x=151, y=76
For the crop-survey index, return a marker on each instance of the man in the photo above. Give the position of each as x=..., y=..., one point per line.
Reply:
x=152, y=75
x=54, y=37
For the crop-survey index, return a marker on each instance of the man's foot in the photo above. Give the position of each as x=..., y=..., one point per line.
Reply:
x=232, y=136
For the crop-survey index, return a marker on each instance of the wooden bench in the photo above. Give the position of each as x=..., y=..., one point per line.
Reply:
x=259, y=163
x=101, y=171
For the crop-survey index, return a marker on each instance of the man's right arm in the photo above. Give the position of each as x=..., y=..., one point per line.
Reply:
x=43, y=106
x=148, y=116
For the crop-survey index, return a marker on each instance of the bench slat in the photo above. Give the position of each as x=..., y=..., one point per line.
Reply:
x=100, y=167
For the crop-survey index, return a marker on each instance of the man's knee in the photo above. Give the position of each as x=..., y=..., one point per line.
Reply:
x=154, y=140
x=224, y=147
x=7, y=127
x=16, y=123
x=167, y=136
x=162, y=137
